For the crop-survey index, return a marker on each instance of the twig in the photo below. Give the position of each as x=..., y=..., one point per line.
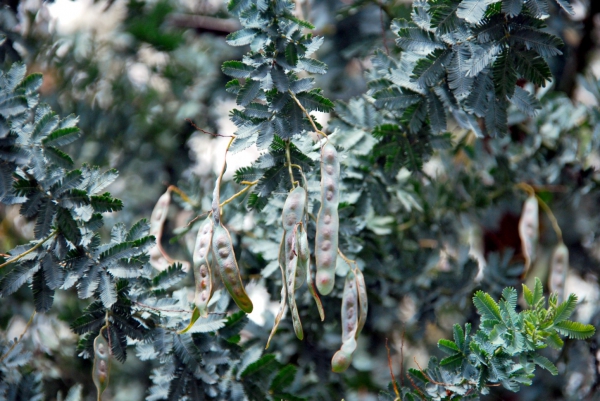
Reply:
x=289, y=163
x=27, y=252
x=531, y=192
x=182, y=194
x=207, y=132
x=318, y=131
x=12, y=347
x=392, y=372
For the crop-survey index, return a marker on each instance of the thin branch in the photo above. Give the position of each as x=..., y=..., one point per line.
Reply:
x=289, y=162
x=207, y=132
x=12, y=347
x=310, y=119
x=27, y=252
x=182, y=194
x=392, y=372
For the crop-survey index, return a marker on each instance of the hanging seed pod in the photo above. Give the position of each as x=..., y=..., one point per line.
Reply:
x=157, y=221
x=292, y=215
x=222, y=247
x=101, y=368
x=281, y=309
x=290, y=275
x=326, y=240
x=202, y=268
x=313, y=291
x=558, y=270
x=350, y=309
x=362, y=300
x=529, y=229
x=303, y=255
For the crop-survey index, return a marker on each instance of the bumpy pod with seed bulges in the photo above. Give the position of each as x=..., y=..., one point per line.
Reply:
x=202, y=267
x=224, y=257
x=350, y=310
x=326, y=239
x=101, y=368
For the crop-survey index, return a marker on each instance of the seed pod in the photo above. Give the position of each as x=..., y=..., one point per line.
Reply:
x=159, y=215
x=283, y=291
x=157, y=221
x=362, y=300
x=202, y=268
x=290, y=276
x=326, y=240
x=303, y=255
x=350, y=304
x=101, y=368
x=528, y=230
x=313, y=291
x=558, y=270
x=222, y=247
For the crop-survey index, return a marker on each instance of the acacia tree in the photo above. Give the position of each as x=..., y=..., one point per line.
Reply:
x=349, y=210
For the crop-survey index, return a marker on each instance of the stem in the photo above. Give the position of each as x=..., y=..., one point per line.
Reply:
x=12, y=347
x=347, y=260
x=181, y=194
x=552, y=218
x=531, y=192
x=318, y=131
x=216, y=207
x=289, y=163
x=302, y=173
x=27, y=252
x=392, y=372
x=239, y=193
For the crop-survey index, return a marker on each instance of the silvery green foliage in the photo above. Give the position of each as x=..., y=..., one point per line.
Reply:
x=17, y=381
x=462, y=60
x=265, y=82
x=504, y=350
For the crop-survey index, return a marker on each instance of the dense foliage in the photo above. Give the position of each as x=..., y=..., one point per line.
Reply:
x=420, y=181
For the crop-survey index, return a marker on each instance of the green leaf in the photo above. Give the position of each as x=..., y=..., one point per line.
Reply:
x=448, y=346
x=265, y=362
x=575, y=330
x=418, y=40
x=236, y=69
x=242, y=37
x=565, y=309
x=313, y=66
x=248, y=92
x=528, y=295
x=472, y=10
x=59, y=157
x=538, y=292
x=486, y=306
x=283, y=379
x=291, y=54
x=531, y=66
x=62, y=136
x=543, y=43
x=545, y=363
x=106, y=203
x=312, y=101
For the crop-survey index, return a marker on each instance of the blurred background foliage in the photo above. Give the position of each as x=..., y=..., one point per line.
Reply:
x=134, y=71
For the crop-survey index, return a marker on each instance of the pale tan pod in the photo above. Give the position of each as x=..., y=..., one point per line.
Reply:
x=283, y=297
x=326, y=239
x=290, y=277
x=202, y=267
x=362, y=300
x=157, y=221
x=559, y=267
x=529, y=229
x=101, y=368
x=303, y=255
x=350, y=305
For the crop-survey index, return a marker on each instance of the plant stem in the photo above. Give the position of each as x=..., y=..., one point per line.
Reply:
x=182, y=194
x=20, y=337
x=289, y=162
x=27, y=252
x=552, y=218
x=239, y=193
x=318, y=131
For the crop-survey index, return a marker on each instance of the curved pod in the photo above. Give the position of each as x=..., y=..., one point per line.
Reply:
x=224, y=256
x=559, y=267
x=202, y=270
x=101, y=368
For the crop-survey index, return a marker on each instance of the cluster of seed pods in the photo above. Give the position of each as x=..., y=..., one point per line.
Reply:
x=559, y=266
x=326, y=240
x=202, y=267
x=101, y=368
x=529, y=229
x=354, y=316
x=224, y=256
